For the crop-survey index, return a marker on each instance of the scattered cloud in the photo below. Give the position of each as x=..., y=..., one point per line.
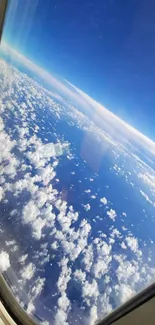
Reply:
x=147, y=198
x=103, y=200
x=4, y=261
x=28, y=271
x=112, y=214
x=29, y=170
x=87, y=206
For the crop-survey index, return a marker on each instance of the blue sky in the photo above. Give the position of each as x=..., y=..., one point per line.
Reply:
x=104, y=47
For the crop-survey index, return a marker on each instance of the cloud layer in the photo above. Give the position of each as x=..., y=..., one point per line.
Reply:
x=83, y=256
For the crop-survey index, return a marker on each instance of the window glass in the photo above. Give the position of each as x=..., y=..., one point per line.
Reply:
x=77, y=179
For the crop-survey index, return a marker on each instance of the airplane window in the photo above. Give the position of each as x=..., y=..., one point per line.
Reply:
x=77, y=156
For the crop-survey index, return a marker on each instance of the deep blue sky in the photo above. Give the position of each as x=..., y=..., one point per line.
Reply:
x=104, y=47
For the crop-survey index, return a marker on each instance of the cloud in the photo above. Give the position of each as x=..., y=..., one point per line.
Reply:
x=37, y=287
x=63, y=301
x=112, y=214
x=90, y=290
x=88, y=258
x=123, y=245
x=93, y=197
x=80, y=276
x=88, y=191
x=61, y=317
x=34, y=292
x=132, y=242
x=148, y=177
x=23, y=258
x=55, y=245
x=10, y=242
x=8, y=161
x=147, y=198
x=122, y=132
x=58, y=86
x=30, y=215
x=115, y=233
x=30, y=308
x=28, y=271
x=103, y=200
x=4, y=261
x=32, y=183
x=64, y=276
x=30, y=212
x=37, y=226
x=87, y=206
x=93, y=316
x=101, y=267
x=104, y=305
x=123, y=293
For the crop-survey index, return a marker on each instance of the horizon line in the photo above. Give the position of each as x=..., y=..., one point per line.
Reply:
x=85, y=99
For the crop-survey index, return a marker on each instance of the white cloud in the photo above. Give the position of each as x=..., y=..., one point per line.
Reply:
x=88, y=191
x=128, y=272
x=103, y=200
x=64, y=276
x=55, y=245
x=80, y=276
x=112, y=214
x=123, y=293
x=103, y=248
x=39, y=212
x=30, y=212
x=38, y=287
x=101, y=267
x=47, y=174
x=45, y=322
x=132, y=242
x=93, y=316
x=61, y=317
x=147, y=198
x=26, y=183
x=90, y=289
x=86, y=206
x=104, y=306
x=115, y=232
x=148, y=177
x=14, y=212
x=123, y=133
x=1, y=193
x=123, y=245
x=4, y=261
x=37, y=226
x=10, y=242
x=23, y=258
x=88, y=258
x=6, y=155
x=63, y=301
x=40, y=198
x=28, y=271
x=85, y=228
x=30, y=215
x=30, y=308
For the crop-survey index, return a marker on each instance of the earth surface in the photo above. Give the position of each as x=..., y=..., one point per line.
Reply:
x=77, y=203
